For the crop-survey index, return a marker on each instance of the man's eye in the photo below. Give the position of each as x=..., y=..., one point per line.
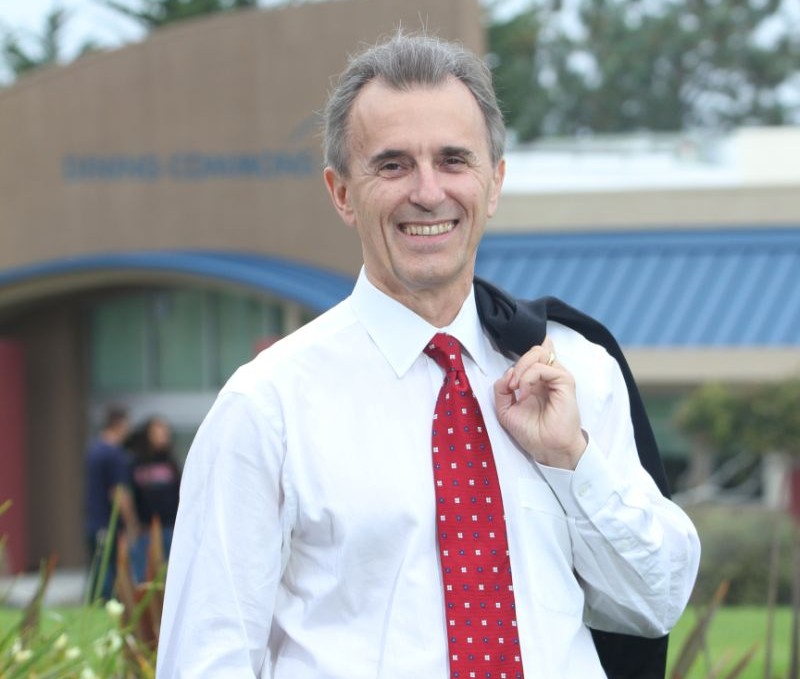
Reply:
x=454, y=161
x=391, y=169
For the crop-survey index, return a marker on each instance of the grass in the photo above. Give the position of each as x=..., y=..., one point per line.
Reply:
x=732, y=632
x=83, y=624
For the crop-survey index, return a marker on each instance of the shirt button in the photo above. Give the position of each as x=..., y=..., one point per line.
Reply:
x=583, y=489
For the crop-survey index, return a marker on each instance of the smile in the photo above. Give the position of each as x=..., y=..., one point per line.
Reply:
x=428, y=229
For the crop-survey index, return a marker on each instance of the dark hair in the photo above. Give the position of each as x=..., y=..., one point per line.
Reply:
x=115, y=415
x=402, y=62
x=139, y=443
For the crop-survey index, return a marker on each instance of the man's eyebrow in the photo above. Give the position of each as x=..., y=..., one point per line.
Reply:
x=455, y=151
x=383, y=156
x=462, y=151
x=396, y=154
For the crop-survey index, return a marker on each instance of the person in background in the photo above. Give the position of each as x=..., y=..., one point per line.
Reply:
x=107, y=482
x=360, y=495
x=155, y=477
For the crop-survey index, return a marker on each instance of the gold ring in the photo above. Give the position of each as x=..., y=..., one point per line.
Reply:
x=551, y=358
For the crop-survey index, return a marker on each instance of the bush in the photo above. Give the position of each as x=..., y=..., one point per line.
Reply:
x=736, y=546
x=122, y=648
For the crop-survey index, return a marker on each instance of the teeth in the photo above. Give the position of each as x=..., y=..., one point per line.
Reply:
x=428, y=229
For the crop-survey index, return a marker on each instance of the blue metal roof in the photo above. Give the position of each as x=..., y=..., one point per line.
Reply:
x=709, y=288
x=312, y=287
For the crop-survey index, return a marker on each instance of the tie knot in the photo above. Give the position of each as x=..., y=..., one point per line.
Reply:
x=446, y=351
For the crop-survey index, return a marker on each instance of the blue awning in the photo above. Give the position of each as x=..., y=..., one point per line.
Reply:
x=315, y=288
x=678, y=288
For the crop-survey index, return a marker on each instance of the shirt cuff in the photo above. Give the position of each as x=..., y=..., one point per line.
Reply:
x=585, y=490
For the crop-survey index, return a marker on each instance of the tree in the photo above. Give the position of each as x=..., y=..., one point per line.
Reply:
x=20, y=59
x=39, y=50
x=758, y=420
x=660, y=65
x=46, y=47
x=155, y=13
x=761, y=419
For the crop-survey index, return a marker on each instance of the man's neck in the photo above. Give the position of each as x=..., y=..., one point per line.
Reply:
x=438, y=306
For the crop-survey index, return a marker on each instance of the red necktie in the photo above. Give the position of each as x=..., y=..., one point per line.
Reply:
x=478, y=593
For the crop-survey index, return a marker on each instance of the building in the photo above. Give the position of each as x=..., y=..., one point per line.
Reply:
x=162, y=217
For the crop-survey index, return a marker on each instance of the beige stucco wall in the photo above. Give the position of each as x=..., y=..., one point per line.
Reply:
x=747, y=206
x=691, y=366
x=244, y=86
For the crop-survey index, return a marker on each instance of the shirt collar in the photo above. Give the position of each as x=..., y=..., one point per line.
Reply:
x=401, y=335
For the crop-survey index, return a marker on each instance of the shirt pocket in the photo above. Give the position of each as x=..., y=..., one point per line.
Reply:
x=548, y=549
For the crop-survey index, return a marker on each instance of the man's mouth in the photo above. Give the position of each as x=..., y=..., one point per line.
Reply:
x=428, y=229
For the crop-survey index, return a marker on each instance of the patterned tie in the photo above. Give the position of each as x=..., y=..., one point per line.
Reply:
x=479, y=596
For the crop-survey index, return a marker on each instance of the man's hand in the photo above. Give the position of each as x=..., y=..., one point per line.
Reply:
x=536, y=403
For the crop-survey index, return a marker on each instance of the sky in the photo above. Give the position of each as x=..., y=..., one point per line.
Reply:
x=90, y=19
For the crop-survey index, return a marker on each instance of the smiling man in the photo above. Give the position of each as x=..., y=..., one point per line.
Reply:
x=389, y=492
x=419, y=185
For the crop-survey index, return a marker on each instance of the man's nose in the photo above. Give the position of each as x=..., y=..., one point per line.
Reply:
x=427, y=191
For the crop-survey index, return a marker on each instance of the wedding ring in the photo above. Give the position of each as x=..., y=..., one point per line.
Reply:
x=551, y=358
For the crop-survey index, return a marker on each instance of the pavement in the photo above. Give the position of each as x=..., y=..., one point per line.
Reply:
x=64, y=589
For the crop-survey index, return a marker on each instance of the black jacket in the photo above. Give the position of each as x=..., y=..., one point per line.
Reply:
x=515, y=326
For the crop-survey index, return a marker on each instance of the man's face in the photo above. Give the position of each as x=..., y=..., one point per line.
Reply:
x=421, y=186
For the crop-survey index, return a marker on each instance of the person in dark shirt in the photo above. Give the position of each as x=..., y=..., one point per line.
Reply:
x=156, y=481
x=108, y=481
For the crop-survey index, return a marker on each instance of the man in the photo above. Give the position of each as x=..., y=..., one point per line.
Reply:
x=324, y=530
x=108, y=482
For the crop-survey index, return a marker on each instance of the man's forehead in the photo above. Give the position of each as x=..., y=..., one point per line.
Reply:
x=381, y=88
x=380, y=110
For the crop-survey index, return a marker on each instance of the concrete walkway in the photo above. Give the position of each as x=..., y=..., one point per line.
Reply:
x=65, y=588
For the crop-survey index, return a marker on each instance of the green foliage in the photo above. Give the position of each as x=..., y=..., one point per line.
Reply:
x=715, y=415
x=760, y=419
x=758, y=551
x=85, y=646
x=23, y=54
x=734, y=629
x=776, y=417
x=155, y=13
x=92, y=643
x=21, y=59
x=737, y=542
x=626, y=65
x=696, y=642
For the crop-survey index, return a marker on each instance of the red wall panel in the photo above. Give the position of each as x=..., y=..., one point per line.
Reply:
x=13, y=524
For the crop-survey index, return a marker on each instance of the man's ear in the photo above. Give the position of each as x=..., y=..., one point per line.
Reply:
x=340, y=195
x=497, y=184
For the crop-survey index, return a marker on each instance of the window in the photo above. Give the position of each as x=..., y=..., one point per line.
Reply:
x=178, y=335
x=241, y=324
x=178, y=339
x=118, y=332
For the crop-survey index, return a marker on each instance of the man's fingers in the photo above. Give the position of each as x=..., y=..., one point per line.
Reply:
x=504, y=396
x=541, y=354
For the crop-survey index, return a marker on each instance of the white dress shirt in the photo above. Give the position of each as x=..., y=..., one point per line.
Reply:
x=305, y=544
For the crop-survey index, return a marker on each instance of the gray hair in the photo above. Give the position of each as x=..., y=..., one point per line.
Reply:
x=402, y=62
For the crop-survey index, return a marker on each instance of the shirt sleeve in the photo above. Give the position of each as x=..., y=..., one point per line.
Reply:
x=635, y=552
x=225, y=561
